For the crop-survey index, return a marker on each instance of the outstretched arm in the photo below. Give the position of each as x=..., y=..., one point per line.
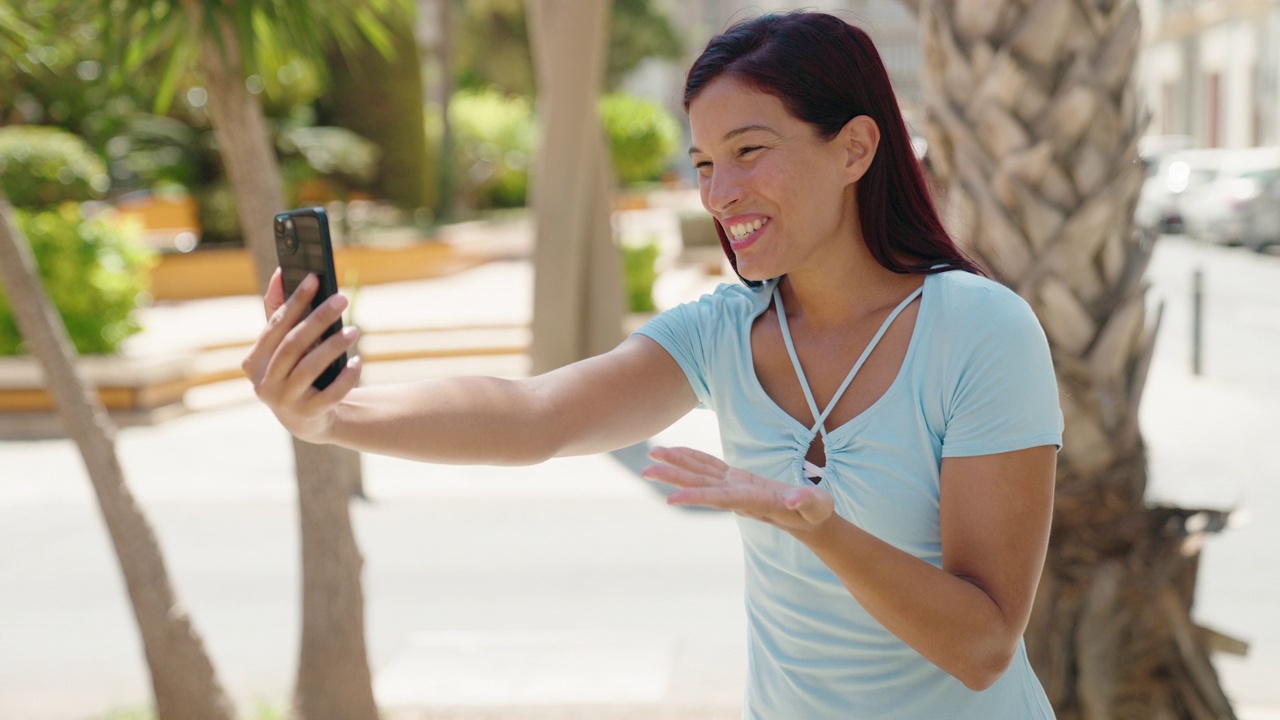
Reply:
x=602, y=403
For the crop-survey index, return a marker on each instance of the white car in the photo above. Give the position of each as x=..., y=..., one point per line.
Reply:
x=1241, y=206
x=1171, y=179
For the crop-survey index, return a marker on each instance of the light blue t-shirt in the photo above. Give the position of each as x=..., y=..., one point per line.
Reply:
x=977, y=379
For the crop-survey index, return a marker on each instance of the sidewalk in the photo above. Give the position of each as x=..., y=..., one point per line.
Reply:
x=564, y=590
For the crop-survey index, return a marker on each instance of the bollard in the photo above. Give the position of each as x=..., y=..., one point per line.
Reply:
x=1197, y=319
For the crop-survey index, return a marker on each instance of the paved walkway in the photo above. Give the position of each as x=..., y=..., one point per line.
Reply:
x=563, y=590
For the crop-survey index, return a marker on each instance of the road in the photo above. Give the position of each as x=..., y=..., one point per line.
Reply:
x=570, y=584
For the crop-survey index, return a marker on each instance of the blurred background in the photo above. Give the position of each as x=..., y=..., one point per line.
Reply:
x=428, y=130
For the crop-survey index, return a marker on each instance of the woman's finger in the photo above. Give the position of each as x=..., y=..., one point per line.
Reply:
x=275, y=293
x=338, y=389
x=680, y=477
x=279, y=322
x=689, y=459
x=747, y=500
x=813, y=505
x=314, y=363
x=299, y=341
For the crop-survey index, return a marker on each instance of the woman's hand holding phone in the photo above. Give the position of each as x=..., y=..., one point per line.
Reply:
x=286, y=359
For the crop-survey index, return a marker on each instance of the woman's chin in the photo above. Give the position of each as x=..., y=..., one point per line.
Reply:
x=754, y=274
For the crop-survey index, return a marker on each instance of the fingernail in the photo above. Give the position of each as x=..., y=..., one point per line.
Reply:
x=351, y=332
x=309, y=281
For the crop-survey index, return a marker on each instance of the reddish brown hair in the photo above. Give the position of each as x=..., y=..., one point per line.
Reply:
x=827, y=72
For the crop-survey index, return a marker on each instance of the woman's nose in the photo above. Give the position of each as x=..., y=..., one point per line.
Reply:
x=721, y=190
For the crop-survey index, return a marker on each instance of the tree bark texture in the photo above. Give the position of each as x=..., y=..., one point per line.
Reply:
x=334, y=682
x=577, y=298
x=382, y=100
x=183, y=678
x=1033, y=122
x=333, y=673
x=433, y=31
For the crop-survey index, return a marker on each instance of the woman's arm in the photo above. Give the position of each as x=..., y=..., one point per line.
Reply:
x=598, y=404
x=967, y=617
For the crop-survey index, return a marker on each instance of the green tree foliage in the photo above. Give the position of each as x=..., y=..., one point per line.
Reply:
x=493, y=140
x=493, y=43
x=50, y=69
x=289, y=38
x=495, y=136
x=642, y=136
x=94, y=272
x=41, y=166
x=382, y=99
x=640, y=272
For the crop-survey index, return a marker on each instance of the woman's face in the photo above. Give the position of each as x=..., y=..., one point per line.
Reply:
x=782, y=194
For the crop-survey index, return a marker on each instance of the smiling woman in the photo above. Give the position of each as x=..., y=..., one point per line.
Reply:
x=889, y=415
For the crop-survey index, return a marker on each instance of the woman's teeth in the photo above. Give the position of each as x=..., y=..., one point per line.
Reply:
x=741, y=230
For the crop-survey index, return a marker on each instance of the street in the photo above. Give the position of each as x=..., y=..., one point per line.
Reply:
x=568, y=584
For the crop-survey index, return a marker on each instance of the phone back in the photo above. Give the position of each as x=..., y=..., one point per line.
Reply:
x=303, y=247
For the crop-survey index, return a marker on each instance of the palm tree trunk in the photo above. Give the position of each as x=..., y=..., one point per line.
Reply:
x=434, y=34
x=333, y=670
x=577, y=299
x=184, y=680
x=382, y=100
x=1034, y=119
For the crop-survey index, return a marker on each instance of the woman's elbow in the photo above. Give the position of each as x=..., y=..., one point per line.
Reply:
x=983, y=669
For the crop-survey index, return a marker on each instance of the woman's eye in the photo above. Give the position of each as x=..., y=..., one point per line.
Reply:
x=703, y=167
x=748, y=149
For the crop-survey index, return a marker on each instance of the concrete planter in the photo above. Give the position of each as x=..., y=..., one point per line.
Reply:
x=134, y=390
x=128, y=384
x=218, y=272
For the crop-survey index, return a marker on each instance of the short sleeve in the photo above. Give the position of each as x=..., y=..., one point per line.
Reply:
x=683, y=331
x=1004, y=394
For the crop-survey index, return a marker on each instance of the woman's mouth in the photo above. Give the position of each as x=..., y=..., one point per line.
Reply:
x=741, y=234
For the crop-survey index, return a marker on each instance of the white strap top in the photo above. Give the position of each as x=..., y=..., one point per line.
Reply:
x=812, y=471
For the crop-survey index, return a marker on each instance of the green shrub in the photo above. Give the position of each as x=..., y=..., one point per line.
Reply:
x=493, y=140
x=494, y=135
x=332, y=151
x=43, y=166
x=94, y=272
x=642, y=136
x=640, y=271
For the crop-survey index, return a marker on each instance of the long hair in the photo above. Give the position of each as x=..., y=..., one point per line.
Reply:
x=827, y=72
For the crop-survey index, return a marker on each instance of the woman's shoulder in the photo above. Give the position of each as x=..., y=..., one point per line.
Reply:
x=973, y=314
x=721, y=313
x=966, y=297
x=731, y=299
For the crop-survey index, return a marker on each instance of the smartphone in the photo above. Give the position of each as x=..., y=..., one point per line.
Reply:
x=303, y=247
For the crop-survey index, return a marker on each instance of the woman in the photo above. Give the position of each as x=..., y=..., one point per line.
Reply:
x=889, y=416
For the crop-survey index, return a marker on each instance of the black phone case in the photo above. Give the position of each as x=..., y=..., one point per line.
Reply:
x=312, y=253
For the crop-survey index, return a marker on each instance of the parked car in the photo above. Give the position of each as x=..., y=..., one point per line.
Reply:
x=1241, y=205
x=1171, y=179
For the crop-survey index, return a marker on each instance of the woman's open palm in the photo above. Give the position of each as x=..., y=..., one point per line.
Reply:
x=707, y=481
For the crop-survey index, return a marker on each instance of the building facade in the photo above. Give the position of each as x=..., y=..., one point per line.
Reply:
x=1210, y=68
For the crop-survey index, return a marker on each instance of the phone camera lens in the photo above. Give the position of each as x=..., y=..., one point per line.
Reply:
x=286, y=237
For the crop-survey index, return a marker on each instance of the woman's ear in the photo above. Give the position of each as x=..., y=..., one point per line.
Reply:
x=859, y=137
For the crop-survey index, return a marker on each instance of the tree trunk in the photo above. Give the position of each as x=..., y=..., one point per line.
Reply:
x=577, y=298
x=333, y=670
x=434, y=34
x=1034, y=120
x=184, y=680
x=382, y=100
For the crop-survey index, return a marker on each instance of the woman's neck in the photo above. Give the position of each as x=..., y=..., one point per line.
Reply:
x=843, y=290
